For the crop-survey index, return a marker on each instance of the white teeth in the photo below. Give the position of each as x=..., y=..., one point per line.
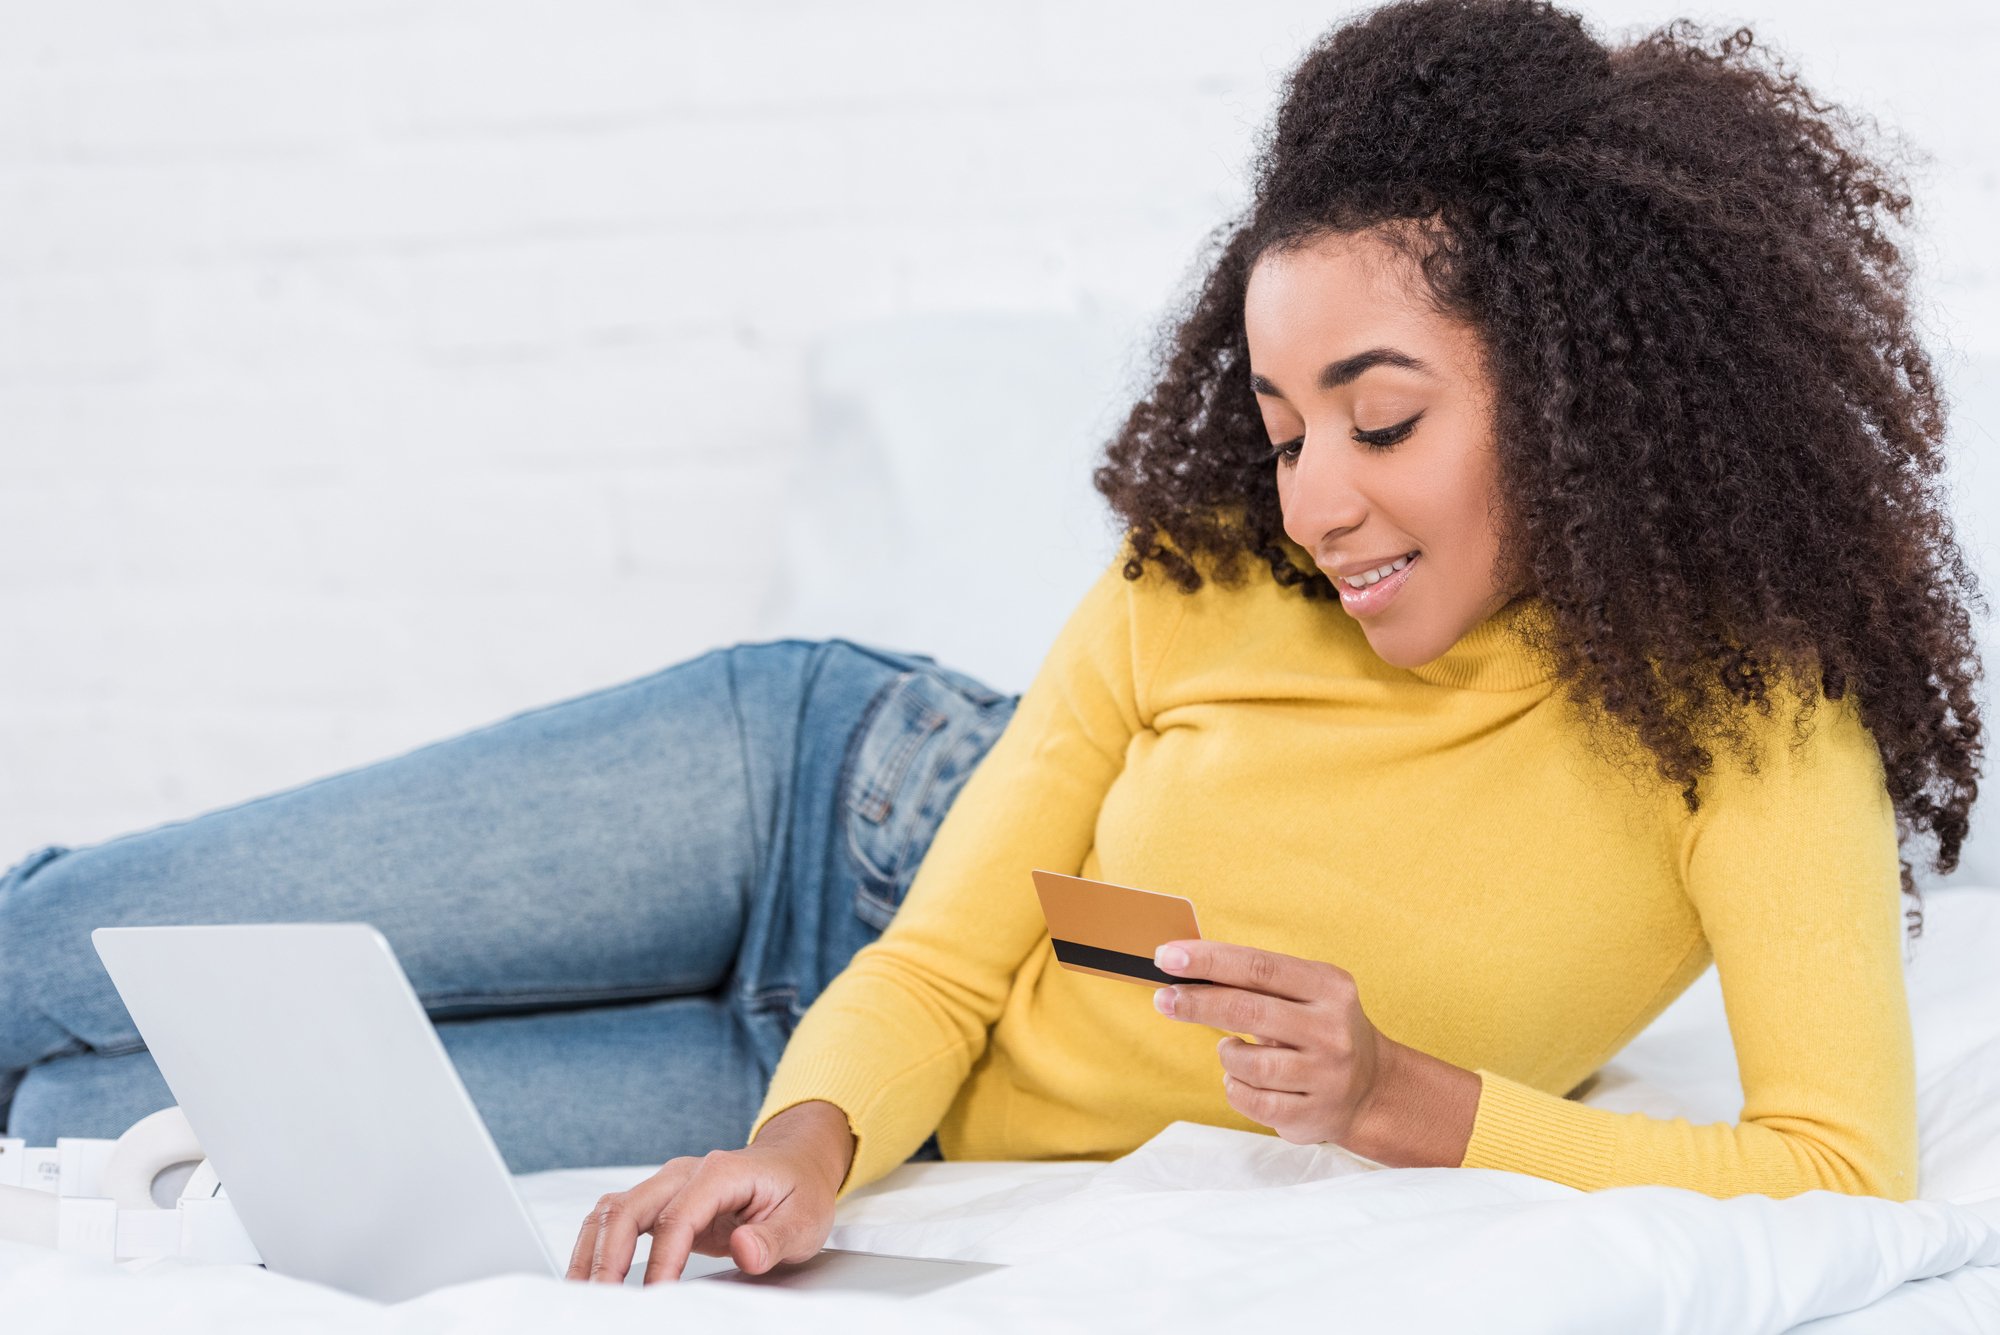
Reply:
x=1366, y=578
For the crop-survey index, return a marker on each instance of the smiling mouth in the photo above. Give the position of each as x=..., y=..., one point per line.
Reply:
x=1404, y=559
x=1372, y=598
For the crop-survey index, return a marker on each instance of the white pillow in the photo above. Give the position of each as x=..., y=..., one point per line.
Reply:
x=941, y=502
x=1955, y=1008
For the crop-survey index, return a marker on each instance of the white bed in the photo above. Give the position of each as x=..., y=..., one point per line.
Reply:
x=1203, y=1226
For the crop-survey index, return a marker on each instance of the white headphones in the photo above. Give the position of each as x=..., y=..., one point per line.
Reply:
x=153, y=1167
x=138, y=1172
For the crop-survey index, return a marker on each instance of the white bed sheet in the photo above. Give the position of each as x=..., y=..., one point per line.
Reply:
x=1203, y=1224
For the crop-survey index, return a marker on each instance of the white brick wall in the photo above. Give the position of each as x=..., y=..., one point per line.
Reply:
x=369, y=371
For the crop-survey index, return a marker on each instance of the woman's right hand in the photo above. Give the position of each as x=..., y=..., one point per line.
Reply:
x=768, y=1202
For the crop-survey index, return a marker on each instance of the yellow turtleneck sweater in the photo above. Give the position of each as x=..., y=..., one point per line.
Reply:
x=1504, y=899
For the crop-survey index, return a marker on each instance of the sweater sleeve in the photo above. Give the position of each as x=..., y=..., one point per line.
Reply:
x=897, y=1031
x=1795, y=876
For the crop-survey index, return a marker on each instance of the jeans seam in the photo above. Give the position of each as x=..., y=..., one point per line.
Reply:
x=743, y=759
x=482, y=996
x=77, y=1047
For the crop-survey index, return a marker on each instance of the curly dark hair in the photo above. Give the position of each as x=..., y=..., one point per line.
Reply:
x=1719, y=440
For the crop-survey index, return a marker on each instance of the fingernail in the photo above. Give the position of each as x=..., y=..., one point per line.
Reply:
x=1170, y=957
x=1163, y=999
x=757, y=1251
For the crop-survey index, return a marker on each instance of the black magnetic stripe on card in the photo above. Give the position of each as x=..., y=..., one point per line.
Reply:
x=1115, y=961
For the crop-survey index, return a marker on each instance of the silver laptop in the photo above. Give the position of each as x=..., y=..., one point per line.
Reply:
x=332, y=1114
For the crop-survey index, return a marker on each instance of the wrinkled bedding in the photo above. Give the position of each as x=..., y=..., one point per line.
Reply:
x=1207, y=1225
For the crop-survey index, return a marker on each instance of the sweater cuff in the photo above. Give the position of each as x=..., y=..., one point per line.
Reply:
x=884, y=1133
x=1526, y=1130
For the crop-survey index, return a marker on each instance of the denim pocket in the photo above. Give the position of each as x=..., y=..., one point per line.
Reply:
x=914, y=747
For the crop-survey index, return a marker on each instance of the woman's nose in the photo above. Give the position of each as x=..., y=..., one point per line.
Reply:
x=1322, y=497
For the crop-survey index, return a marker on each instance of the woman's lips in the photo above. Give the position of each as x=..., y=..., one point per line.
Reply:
x=1368, y=601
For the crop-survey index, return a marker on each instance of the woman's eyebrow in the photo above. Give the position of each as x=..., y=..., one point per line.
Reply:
x=1335, y=374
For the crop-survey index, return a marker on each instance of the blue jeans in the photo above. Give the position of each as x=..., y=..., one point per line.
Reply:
x=615, y=908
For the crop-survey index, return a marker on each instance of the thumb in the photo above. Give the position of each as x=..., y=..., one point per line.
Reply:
x=785, y=1236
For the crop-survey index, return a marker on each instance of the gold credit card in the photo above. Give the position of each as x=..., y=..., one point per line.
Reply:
x=1113, y=930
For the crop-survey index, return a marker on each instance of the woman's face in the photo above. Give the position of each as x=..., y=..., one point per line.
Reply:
x=1384, y=412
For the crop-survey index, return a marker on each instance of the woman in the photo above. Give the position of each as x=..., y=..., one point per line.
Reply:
x=1531, y=362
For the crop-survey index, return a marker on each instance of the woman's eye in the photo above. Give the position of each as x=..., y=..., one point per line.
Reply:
x=1380, y=439
x=1386, y=436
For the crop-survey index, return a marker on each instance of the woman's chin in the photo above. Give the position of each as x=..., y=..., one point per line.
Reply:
x=1398, y=646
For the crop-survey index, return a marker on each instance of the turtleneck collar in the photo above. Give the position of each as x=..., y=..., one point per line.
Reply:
x=1493, y=655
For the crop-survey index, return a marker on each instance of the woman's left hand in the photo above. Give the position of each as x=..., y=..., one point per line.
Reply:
x=1313, y=1073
